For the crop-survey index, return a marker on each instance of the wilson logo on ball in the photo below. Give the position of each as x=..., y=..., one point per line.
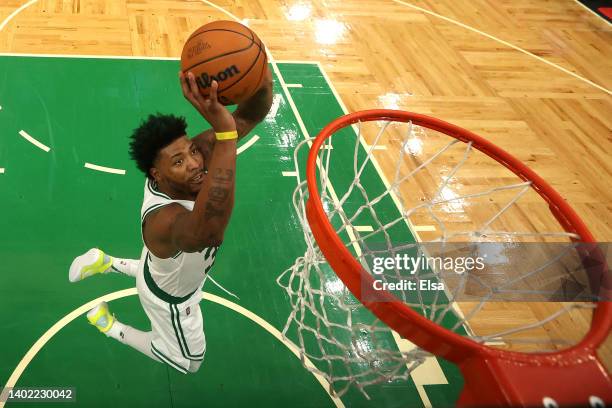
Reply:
x=205, y=81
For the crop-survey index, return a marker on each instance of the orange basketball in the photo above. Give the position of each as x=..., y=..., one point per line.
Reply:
x=229, y=53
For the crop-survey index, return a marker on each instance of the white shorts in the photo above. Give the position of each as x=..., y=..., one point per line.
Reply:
x=176, y=323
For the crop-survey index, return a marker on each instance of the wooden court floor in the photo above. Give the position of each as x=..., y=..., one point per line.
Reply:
x=532, y=76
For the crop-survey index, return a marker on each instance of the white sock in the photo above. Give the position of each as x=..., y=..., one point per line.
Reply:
x=134, y=338
x=125, y=266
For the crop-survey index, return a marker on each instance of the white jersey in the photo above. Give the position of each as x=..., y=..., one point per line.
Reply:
x=177, y=278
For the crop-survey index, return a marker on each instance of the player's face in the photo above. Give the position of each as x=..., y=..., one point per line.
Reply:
x=181, y=165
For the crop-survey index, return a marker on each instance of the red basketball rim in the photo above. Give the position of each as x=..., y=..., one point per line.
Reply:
x=400, y=317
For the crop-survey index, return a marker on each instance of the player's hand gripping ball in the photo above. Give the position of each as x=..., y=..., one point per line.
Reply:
x=229, y=53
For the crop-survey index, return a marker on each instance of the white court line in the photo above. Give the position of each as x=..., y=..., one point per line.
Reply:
x=233, y=17
x=514, y=47
x=423, y=228
x=294, y=85
x=394, y=197
x=337, y=401
x=248, y=144
x=104, y=169
x=363, y=228
x=363, y=143
x=592, y=12
x=431, y=372
x=434, y=372
x=221, y=9
x=35, y=142
x=14, y=13
x=1, y=170
x=428, y=373
x=290, y=174
x=64, y=321
x=377, y=147
x=332, y=193
x=276, y=101
x=32, y=352
x=41, y=342
x=495, y=343
x=33, y=1
x=350, y=229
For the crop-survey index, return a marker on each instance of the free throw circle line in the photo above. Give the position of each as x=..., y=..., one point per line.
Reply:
x=64, y=321
x=14, y=13
x=248, y=144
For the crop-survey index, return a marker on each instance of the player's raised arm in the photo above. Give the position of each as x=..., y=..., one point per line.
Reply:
x=205, y=225
x=252, y=111
x=248, y=114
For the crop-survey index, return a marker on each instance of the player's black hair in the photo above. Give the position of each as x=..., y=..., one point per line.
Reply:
x=153, y=134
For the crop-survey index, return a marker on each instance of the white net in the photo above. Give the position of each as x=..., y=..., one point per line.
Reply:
x=392, y=188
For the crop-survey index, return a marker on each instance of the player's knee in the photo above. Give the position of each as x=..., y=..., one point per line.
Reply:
x=194, y=366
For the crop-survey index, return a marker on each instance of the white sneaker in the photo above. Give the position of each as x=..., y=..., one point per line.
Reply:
x=100, y=317
x=90, y=263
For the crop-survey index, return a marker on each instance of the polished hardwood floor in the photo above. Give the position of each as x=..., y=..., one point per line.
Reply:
x=533, y=76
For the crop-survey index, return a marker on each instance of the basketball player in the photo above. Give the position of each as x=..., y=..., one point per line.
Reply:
x=188, y=200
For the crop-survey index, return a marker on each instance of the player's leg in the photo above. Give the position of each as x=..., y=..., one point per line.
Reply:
x=172, y=343
x=108, y=324
x=125, y=266
x=189, y=334
x=95, y=261
x=178, y=334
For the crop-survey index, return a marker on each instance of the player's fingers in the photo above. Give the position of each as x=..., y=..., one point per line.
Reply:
x=213, y=91
x=187, y=86
x=184, y=86
x=197, y=95
x=193, y=86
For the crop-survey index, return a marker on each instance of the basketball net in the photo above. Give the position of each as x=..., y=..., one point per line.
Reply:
x=441, y=191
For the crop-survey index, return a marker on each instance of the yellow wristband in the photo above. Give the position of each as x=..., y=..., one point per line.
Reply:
x=227, y=135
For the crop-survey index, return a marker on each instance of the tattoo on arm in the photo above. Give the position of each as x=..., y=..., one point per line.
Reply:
x=223, y=176
x=218, y=194
x=211, y=211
